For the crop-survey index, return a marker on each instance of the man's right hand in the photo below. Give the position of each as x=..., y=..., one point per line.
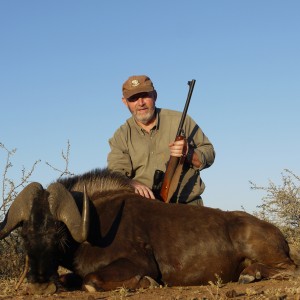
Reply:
x=142, y=189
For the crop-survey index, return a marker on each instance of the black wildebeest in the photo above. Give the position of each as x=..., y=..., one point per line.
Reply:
x=119, y=238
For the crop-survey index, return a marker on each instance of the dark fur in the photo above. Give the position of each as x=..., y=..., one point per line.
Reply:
x=97, y=180
x=42, y=236
x=132, y=237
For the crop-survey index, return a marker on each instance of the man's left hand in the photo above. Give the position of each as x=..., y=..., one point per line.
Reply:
x=179, y=148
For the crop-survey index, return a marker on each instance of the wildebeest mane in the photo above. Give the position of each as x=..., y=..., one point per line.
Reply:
x=96, y=181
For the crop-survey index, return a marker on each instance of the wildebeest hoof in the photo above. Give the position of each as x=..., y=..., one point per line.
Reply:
x=148, y=282
x=258, y=275
x=246, y=278
x=89, y=288
x=41, y=288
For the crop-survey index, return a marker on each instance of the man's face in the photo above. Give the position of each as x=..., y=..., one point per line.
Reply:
x=142, y=106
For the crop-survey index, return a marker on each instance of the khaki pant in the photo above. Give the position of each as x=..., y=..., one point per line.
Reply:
x=197, y=201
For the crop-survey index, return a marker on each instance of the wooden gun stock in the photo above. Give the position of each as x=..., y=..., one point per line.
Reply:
x=174, y=166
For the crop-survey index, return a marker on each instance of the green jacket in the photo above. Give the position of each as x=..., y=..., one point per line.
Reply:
x=137, y=154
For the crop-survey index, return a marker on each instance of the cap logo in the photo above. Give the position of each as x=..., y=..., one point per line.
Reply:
x=135, y=83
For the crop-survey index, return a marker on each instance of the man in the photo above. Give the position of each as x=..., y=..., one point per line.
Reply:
x=145, y=142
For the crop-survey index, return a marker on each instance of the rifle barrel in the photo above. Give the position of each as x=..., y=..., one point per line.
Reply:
x=187, y=103
x=174, y=161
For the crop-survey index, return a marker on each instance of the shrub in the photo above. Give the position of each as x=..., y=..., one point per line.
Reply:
x=281, y=206
x=12, y=256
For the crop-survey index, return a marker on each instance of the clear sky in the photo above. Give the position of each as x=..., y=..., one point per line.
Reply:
x=63, y=62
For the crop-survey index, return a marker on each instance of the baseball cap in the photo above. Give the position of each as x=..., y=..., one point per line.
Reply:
x=137, y=84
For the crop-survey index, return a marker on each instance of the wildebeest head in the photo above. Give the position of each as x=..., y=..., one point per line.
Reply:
x=43, y=215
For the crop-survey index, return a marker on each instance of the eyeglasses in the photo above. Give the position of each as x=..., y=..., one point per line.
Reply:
x=136, y=97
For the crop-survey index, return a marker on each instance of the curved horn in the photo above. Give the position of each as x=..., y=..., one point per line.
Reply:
x=20, y=208
x=63, y=207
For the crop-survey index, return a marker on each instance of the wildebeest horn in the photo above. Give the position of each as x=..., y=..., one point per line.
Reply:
x=20, y=208
x=63, y=207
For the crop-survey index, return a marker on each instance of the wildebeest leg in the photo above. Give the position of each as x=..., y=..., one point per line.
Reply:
x=70, y=281
x=263, y=247
x=258, y=271
x=120, y=273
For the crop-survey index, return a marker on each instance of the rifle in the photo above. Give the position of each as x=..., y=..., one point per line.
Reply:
x=175, y=163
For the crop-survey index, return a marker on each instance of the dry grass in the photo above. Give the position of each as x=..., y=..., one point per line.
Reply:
x=12, y=256
x=268, y=289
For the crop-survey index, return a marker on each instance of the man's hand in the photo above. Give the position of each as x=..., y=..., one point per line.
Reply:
x=179, y=148
x=142, y=189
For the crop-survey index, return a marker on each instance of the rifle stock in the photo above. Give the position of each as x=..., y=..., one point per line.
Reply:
x=170, y=171
x=175, y=163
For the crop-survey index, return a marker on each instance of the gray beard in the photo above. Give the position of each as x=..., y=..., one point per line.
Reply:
x=145, y=119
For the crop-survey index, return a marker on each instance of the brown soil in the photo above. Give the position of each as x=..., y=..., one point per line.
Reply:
x=268, y=289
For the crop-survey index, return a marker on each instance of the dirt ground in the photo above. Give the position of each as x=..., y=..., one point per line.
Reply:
x=268, y=289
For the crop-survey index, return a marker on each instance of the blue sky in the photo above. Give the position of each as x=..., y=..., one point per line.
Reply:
x=62, y=65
